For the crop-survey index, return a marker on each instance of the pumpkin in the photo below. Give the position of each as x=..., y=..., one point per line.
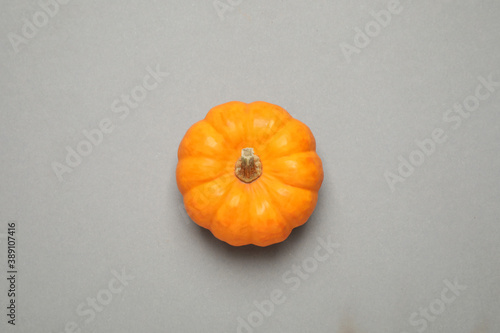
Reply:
x=249, y=173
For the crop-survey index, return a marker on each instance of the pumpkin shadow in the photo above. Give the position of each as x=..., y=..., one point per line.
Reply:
x=250, y=252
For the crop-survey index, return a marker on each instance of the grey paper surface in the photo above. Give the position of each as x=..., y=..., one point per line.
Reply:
x=403, y=99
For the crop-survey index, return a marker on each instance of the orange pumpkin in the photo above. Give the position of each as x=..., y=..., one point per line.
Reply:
x=249, y=173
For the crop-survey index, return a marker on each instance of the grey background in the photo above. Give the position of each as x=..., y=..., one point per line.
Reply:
x=120, y=208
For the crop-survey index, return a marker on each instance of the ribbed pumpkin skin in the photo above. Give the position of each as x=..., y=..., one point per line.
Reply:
x=266, y=210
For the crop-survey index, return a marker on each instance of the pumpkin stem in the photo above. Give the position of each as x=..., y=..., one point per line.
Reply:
x=248, y=167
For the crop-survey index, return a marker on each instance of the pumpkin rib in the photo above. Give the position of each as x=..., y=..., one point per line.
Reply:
x=293, y=155
x=291, y=185
x=250, y=193
x=237, y=108
x=275, y=131
x=219, y=230
x=269, y=193
x=221, y=199
x=183, y=180
x=288, y=209
x=213, y=202
x=294, y=137
x=283, y=124
x=195, y=136
x=205, y=183
x=226, y=140
x=307, y=171
x=264, y=142
x=260, y=190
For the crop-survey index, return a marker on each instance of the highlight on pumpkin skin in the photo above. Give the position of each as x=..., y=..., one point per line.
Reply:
x=229, y=120
x=230, y=222
x=295, y=170
x=194, y=171
x=294, y=137
x=265, y=125
x=249, y=173
x=291, y=200
x=202, y=139
x=202, y=202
